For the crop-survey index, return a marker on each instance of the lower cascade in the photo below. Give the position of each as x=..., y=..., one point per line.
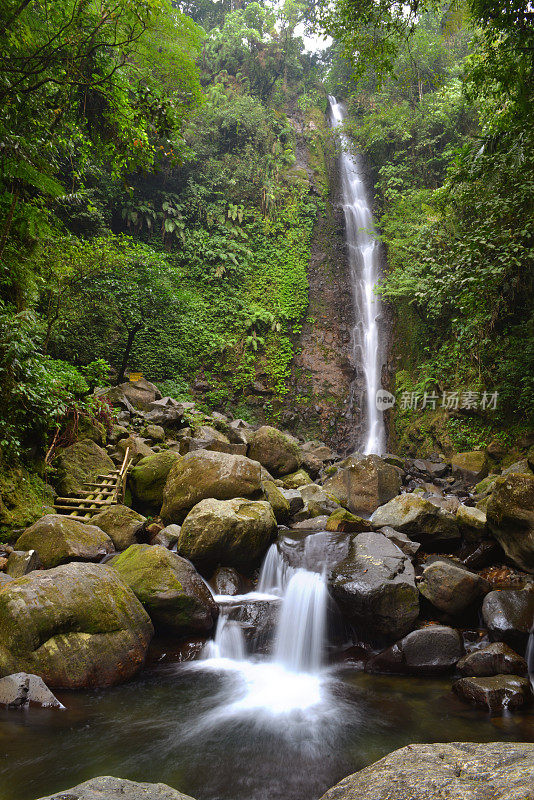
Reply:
x=300, y=638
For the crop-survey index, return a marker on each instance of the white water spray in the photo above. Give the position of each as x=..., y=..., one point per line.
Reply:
x=365, y=270
x=300, y=639
x=229, y=641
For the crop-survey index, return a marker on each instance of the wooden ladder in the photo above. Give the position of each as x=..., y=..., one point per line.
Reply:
x=108, y=490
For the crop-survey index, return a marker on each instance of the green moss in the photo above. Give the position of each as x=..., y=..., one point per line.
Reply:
x=24, y=497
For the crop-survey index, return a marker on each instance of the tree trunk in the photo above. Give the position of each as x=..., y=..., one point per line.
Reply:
x=129, y=343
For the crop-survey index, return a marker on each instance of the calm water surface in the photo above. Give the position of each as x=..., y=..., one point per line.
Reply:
x=235, y=735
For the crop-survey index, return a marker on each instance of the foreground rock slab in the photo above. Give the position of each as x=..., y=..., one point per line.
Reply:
x=456, y=771
x=108, y=788
x=78, y=625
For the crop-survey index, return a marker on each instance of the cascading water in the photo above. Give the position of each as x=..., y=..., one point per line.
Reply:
x=275, y=572
x=229, y=641
x=300, y=639
x=364, y=265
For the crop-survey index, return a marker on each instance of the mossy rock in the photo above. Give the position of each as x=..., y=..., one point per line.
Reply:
x=230, y=533
x=297, y=479
x=203, y=474
x=343, y=521
x=120, y=523
x=278, y=502
x=24, y=498
x=472, y=465
x=57, y=539
x=169, y=588
x=79, y=464
x=76, y=626
x=89, y=428
x=276, y=451
x=148, y=478
x=510, y=517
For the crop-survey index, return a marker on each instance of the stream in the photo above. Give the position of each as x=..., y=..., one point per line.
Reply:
x=246, y=720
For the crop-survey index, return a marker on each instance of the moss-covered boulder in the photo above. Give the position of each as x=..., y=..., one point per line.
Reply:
x=276, y=451
x=81, y=463
x=317, y=502
x=345, y=522
x=297, y=479
x=77, y=626
x=24, y=497
x=472, y=522
x=510, y=517
x=203, y=474
x=472, y=465
x=419, y=519
x=136, y=446
x=169, y=588
x=120, y=523
x=89, y=428
x=363, y=484
x=57, y=539
x=279, y=503
x=232, y=533
x=149, y=476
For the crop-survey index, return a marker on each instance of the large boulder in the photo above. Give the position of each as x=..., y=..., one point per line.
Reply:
x=108, y=788
x=427, y=651
x=496, y=693
x=364, y=484
x=57, y=539
x=149, y=476
x=77, y=625
x=472, y=522
x=276, y=451
x=279, y=503
x=451, y=588
x=205, y=474
x=510, y=516
x=508, y=616
x=232, y=533
x=375, y=588
x=141, y=394
x=169, y=588
x=419, y=519
x=456, y=771
x=471, y=466
x=495, y=659
x=81, y=463
x=317, y=502
x=120, y=523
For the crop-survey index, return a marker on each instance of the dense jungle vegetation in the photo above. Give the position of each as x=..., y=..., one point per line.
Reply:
x=155, y=215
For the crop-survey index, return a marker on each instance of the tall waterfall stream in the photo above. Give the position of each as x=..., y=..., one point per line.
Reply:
x=364, y=263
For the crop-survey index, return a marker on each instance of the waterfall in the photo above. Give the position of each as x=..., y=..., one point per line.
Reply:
x=364, y=265
x=229, y=641
x=275, y=572
x=300, y=637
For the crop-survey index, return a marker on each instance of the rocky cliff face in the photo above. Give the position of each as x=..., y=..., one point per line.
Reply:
x=319, y=399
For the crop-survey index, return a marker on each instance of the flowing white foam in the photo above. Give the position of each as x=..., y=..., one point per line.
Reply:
x=300, y=639
x=275, y=572
x=365, y=270
x=229, y=642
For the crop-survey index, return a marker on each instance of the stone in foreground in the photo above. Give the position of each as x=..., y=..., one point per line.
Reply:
x=276, y=451
x=120, y=523
x=497, y=693
x=169, y=588
x=455, y=771
x=21, y=690
x=108, y=788
x=77, y=625
x=57, y=539
x=419, y=519
x=451, y=588
x=508, y=616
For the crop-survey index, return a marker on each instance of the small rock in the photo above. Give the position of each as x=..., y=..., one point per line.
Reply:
x=21, y=690
x=108, y=788
x=497, y=693
x=20, y=562
x=451, y=588
x=496, y=659
x=427, y=651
